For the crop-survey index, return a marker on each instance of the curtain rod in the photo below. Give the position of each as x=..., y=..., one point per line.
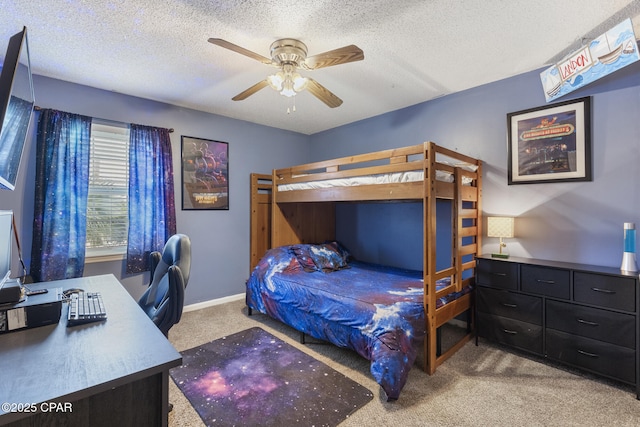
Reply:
x=37, y=108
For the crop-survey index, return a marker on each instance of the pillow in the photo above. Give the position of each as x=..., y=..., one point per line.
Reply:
x=462, y=165
x=293, y=266
x=467, y=166
x=338, y=247
x=325, y=257
x=303, y=254
x=328, y=257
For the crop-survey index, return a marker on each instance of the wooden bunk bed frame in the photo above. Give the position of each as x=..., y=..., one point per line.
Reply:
x=260, y=229
x=308, y=216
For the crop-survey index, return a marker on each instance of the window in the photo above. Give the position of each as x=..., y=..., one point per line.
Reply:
x=108, y=199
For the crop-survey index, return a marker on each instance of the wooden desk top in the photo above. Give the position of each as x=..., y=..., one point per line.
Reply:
x=62, y=364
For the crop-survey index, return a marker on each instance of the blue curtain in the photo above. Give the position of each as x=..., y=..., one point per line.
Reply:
x=62, y=184
x=152, y=209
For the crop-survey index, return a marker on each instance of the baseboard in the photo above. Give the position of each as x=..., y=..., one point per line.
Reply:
x=213, y=302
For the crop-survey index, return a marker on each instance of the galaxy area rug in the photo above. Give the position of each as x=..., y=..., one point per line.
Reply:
x=252, y=378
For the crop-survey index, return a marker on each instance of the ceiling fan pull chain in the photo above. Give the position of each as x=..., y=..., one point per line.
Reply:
x=292, y=107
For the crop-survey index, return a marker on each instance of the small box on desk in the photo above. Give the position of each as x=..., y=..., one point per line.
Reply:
x=10, y=291
x=32, y=312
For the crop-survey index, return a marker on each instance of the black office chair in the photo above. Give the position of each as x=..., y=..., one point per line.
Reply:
x=164, y=298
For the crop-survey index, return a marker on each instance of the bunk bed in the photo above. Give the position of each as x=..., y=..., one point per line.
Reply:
x=302, y=202
x=260, y=227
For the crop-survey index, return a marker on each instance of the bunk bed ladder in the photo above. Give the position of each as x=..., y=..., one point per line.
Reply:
x=436, y=356
x=466, y=224
x=457, y=230
x=429, y=267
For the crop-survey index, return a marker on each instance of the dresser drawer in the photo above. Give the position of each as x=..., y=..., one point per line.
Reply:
x=523, y=335
x=547, y=281
x=603, y=325
x=596, y=356
x=503, y=303
x=605, y=291
x=497, y=274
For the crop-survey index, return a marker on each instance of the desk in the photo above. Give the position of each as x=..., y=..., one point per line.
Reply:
x=113, y=373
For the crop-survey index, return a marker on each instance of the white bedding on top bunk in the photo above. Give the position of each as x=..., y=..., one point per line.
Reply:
x=385, y=178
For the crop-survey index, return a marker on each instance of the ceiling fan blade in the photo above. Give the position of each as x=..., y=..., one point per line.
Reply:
x=339, y=56
x=323, y=94
x=253, y=89
x=240, y=50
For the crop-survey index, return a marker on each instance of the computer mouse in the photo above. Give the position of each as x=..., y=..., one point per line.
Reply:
x=70, y=291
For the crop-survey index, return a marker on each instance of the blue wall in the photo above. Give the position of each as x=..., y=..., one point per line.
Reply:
x=391, y=233
x=220, y=239
x=573, y=222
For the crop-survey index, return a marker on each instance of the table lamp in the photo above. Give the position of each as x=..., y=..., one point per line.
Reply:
x=502, y=227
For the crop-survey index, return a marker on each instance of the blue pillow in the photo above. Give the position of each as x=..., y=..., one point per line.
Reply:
x=305, y=257
x=327, y=257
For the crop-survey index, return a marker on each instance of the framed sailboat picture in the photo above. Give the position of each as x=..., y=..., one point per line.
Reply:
x=550, y=143
x=605, y=54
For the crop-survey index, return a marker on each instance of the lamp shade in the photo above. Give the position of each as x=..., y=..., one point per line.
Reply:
x=500, y=226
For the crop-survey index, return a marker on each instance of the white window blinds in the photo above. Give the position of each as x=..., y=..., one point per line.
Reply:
x=107, y=204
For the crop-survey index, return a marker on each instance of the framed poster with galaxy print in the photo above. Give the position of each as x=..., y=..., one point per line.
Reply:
x=550, y=143
x=205, y=174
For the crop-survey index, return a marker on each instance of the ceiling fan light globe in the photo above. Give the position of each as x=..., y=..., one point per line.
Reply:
x=287, y=88
x=299, y=82
x=276, y=80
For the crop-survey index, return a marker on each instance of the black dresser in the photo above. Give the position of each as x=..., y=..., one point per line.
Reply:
x=580, y=315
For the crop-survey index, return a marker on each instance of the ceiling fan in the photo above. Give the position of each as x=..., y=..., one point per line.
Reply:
x=290, y=55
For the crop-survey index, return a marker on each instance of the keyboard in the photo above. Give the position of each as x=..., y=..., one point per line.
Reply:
x=85, y=307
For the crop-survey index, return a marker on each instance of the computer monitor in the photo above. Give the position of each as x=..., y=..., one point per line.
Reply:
x=6, y=239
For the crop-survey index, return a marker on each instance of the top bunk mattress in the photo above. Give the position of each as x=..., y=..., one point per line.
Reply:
x=384, y=178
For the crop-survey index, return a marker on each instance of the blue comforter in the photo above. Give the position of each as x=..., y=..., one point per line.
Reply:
x=375, y=310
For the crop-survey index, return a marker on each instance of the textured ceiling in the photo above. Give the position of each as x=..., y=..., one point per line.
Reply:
x=415, y=50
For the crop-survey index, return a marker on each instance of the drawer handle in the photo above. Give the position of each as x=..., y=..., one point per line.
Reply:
x=509, y=305
x=548, y=282
x=586, y=353
x=604, y=291
x=507, y=331
x=586, y=322
x=499, y=274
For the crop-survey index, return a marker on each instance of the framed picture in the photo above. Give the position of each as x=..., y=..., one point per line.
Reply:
x=205, y=174
x=550, y=143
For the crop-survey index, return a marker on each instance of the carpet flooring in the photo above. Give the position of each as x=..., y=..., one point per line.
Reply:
x=252, y=378
x=485, y=385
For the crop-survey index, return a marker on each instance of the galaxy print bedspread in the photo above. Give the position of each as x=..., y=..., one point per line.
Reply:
x=375, y=310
